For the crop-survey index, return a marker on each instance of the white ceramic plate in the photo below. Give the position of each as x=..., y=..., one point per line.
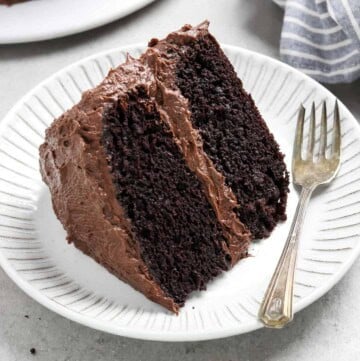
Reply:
x=34, y=253
x=48, y=19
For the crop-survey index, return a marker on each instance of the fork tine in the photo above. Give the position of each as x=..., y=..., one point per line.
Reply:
x=299, y=134
x=323, y=131
x=311, y=141
x=336, y=137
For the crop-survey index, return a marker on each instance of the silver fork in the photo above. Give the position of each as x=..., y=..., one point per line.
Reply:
x=276, y=309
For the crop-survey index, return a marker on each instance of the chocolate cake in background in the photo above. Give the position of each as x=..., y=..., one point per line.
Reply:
x=11, y=2
x=165, y=171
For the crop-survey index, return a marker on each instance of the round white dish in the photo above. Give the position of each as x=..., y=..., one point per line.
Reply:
x=43, y=19
x=34, y=253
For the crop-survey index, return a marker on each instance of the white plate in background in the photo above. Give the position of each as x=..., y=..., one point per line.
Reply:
x=36, y=20
x=34, y=253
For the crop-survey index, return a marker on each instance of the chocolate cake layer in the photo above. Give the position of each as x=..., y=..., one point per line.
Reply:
x=234, y=135
x=180, y=240
x=74, y=165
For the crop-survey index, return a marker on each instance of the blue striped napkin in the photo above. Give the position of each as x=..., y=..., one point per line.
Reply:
x=322, y=38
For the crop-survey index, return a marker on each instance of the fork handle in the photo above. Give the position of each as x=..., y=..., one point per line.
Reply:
x=276, y=309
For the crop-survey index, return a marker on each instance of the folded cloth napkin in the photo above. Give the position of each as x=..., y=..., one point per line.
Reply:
x=322, y=38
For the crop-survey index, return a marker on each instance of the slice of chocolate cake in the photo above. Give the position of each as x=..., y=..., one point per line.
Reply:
x=166, y=170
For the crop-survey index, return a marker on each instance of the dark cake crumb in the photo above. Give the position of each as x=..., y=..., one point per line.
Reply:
x=153, y=42
x=235, y=136
x=180, y=238
x=33, y=350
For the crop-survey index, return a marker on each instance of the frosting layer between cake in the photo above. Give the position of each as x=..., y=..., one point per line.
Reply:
x=174, y=108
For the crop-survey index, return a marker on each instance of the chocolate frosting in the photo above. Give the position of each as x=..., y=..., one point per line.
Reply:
x=75, y=167
x=162, y=57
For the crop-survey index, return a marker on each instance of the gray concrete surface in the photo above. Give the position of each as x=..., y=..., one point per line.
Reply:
x=327, y=330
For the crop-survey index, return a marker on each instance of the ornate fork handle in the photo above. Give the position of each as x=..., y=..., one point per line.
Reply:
x=276, y=308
